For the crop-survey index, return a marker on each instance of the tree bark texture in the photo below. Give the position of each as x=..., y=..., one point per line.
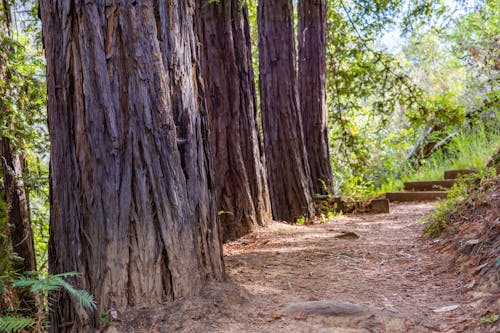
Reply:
x=287, y=167
x=312, y=91
x=132, y=189
x=242, y=192
x=18, y=216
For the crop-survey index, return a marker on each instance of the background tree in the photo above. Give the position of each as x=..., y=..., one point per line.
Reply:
x=286, y=157
x=312, y=93
x=132, y=204
x=242, y=192
x=18, y=220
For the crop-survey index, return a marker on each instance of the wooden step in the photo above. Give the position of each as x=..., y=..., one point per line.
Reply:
x=454, y=174
x=432, y=185
x=416, y=196
x=338, y=205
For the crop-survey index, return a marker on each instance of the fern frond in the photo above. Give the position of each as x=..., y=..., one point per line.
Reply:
x=67, y=274
x=50, y=283
x=36, y=285
x=85, y=299
x=13, y=324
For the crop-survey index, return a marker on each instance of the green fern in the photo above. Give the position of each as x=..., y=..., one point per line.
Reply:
x=44, y=286
x=85, y=299
x=14, y=324
x=51, y=283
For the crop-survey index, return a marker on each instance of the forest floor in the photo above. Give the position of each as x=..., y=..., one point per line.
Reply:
x=392, y=277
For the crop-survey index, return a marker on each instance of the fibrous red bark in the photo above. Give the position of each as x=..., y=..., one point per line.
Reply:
x=312, y=93
x=287, y=167
x=242, y=192
x=132, y=189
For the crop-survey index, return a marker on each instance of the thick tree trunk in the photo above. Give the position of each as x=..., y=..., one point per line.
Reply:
x=312, y=93
x=242, y=193
x=287, y=167
x=132, y=194
x=18, y=216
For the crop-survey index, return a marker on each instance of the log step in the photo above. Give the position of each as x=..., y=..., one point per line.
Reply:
x=416, y=196
x=429, y=185
x=337, y=205
x=454, y=174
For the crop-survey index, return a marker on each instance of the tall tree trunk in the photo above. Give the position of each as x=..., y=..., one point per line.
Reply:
x=18, y=217
x=287, y=167
x=242, y=193
x=312, y=92
x=132, y=193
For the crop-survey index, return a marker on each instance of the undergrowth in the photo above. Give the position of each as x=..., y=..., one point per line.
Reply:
x=465, y=187
x=467, y=149
x=41, y=286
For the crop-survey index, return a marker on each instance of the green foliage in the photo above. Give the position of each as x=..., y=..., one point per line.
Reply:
x=14, y=324
x=22, y=111
x=370, y=96
x=23, y=94
x=382, y=101
x=490, y=320
x=44, y=285
x=471, y=147
x=461, y=190
x=104, y=318
x=300, y=220
x=475, y=39
x=438, y=221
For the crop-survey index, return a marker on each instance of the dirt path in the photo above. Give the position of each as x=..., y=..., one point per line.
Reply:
x=388, y=268
x=390, y=272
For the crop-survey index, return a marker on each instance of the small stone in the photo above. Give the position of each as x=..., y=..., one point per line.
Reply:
x=473, y=242
x=113, y=314
x=446, y=308
x=325, y=308
x=347, y=235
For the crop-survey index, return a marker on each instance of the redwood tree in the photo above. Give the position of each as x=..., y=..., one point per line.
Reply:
x=287, y=167
x=132, y=193
x=312, y=93
x=242, y=193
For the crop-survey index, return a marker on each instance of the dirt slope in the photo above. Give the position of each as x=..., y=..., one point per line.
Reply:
x=393, y=276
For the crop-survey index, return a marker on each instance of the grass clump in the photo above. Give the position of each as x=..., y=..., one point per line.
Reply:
x=467, y=149
x=464, y=188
